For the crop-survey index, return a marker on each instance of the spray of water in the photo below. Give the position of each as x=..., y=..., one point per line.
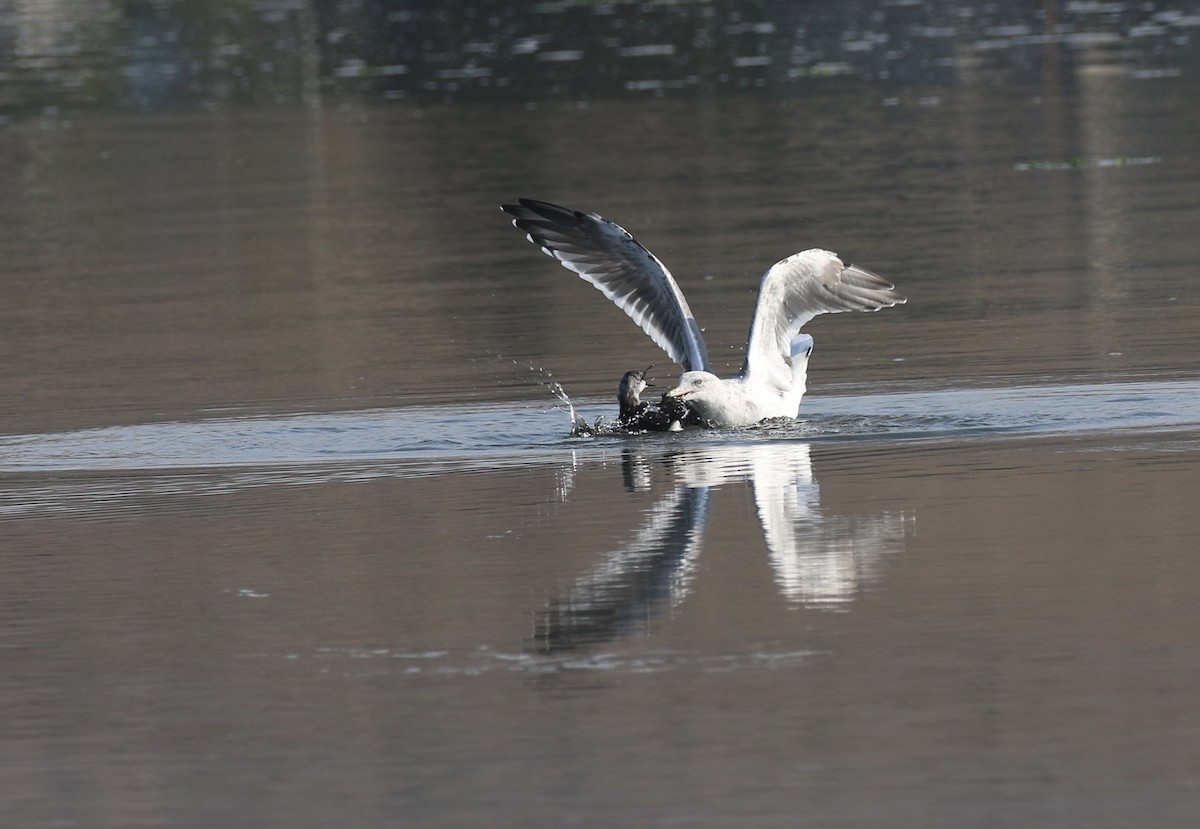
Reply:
x=545, y=379
x=579, y=426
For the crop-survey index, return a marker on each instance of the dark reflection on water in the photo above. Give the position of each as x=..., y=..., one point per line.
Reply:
x=619, y=596
x=818, y=561
x=287, y=52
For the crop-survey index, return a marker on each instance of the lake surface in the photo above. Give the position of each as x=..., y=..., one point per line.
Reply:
x=295, y=531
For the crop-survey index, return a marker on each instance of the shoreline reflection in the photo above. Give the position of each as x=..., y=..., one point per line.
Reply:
x=818, y=561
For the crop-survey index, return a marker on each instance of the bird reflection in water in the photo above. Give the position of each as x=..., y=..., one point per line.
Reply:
x=818, y=561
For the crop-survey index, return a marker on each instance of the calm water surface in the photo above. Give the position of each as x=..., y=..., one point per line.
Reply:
x=295, y=532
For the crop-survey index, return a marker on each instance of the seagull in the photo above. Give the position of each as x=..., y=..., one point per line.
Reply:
x=773, y=376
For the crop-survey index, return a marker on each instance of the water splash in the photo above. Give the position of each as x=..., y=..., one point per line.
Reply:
x=579, y=426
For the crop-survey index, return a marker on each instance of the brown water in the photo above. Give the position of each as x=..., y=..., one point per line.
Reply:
x=294, y=533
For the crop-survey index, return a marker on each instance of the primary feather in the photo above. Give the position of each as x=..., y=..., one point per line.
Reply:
x=607, y=255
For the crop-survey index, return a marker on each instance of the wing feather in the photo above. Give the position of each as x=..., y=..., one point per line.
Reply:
x=795, y=290
x=607, y=255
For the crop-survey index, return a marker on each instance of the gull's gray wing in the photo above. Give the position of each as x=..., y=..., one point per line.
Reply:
x=794, y=291
x=606, y=255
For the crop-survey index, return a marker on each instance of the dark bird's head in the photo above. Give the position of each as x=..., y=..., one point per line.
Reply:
x=629, y=392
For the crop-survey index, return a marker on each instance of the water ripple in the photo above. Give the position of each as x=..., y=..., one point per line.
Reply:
x=497, y=435
x=98, y=470
x=357, y=662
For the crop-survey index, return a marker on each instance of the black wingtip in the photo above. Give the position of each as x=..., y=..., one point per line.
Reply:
x=547, y=211
x=538, y=204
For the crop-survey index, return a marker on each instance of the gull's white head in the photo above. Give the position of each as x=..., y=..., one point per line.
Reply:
x=702, y=390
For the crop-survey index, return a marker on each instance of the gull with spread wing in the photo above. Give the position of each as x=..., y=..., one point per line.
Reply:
x=793, y=291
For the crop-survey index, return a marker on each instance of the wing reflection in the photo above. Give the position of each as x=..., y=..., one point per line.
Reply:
x=818, y=561
x=619, y=596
